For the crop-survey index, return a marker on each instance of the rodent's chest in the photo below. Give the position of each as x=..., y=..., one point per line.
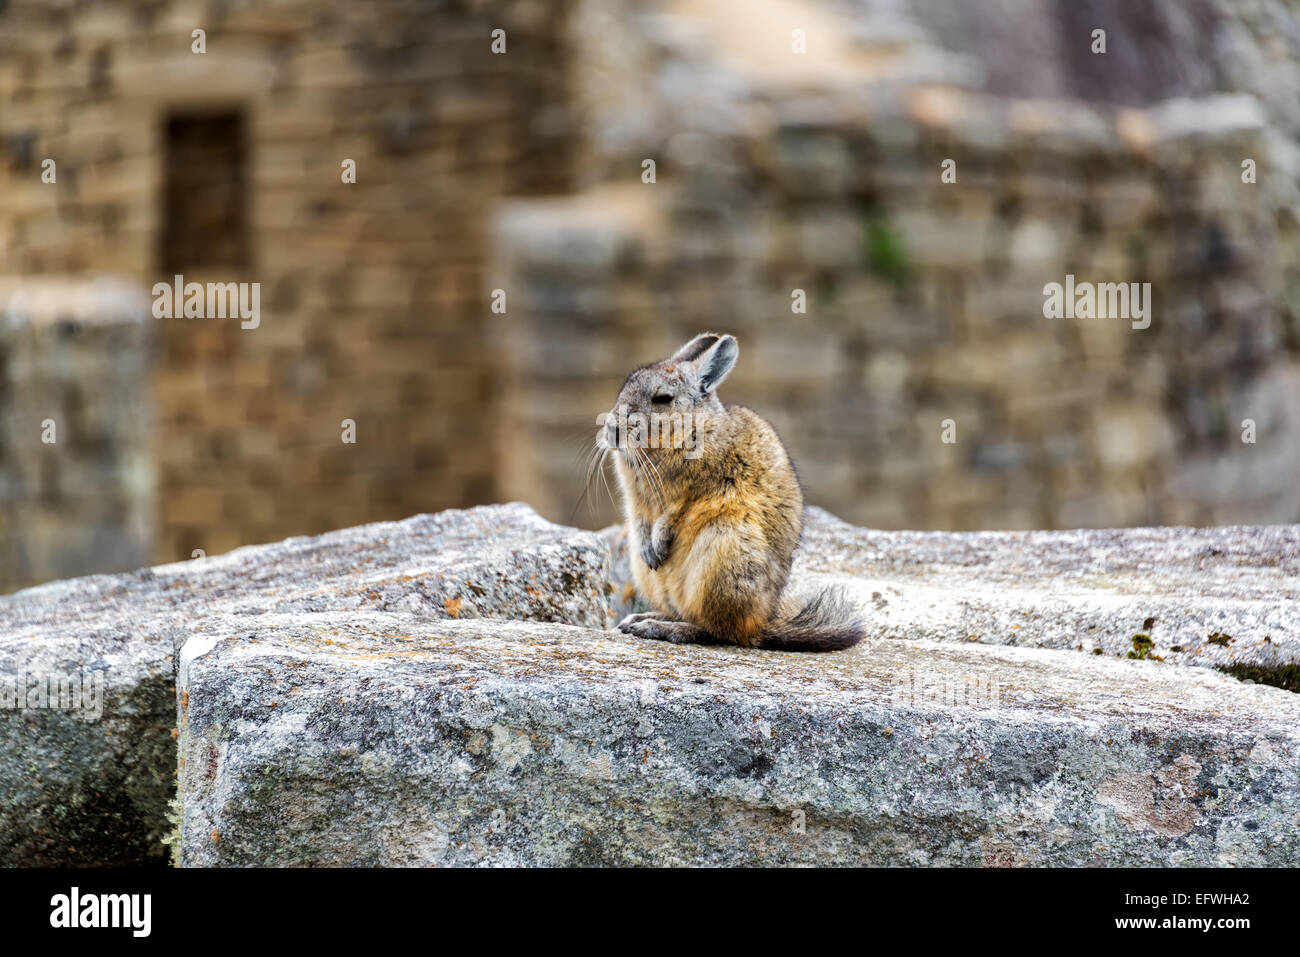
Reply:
x=704, y=525
x=700, y=517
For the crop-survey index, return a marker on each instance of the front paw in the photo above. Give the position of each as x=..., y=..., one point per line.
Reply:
x=652, y=556
x=656, y=543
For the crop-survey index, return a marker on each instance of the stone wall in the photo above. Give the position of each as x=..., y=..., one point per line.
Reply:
x=77, y=476
x=372, y=294
x=775, y=172
x=925, y=299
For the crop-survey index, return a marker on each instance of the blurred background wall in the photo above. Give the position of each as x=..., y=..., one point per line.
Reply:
x=476, y=297
x=227, y=166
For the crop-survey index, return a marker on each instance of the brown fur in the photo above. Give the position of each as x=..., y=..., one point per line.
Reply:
x=712, y=536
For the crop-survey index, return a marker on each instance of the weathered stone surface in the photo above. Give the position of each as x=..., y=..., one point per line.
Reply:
x=85, y=783
x=499, y=561
x=623, y=597
x=1205, y=596
x=95, y=791
x=363, y=697
x=382, y=739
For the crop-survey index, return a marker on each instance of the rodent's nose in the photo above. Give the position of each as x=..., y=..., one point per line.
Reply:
x=611, y=431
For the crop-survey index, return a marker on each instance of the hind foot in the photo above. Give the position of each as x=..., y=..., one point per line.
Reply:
x=627, y=622
x=678, y=632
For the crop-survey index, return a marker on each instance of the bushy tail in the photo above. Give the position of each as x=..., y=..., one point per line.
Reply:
x=828, y=622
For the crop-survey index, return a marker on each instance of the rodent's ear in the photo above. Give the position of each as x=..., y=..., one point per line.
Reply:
x=693, y=349
x=716, y=361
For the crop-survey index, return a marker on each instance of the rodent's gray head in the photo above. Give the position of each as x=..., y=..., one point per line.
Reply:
x=685, y=382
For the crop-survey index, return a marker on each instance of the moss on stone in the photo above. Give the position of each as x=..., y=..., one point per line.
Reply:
x=884, y=249
x=1279, y=676
x=1142, y=647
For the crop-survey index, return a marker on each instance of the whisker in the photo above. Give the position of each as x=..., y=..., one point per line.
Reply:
x=592, y=454
x=604, y=478
x=653, y=477
x=661, y=492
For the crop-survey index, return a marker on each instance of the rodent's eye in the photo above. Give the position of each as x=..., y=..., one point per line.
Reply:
x=661, y=399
